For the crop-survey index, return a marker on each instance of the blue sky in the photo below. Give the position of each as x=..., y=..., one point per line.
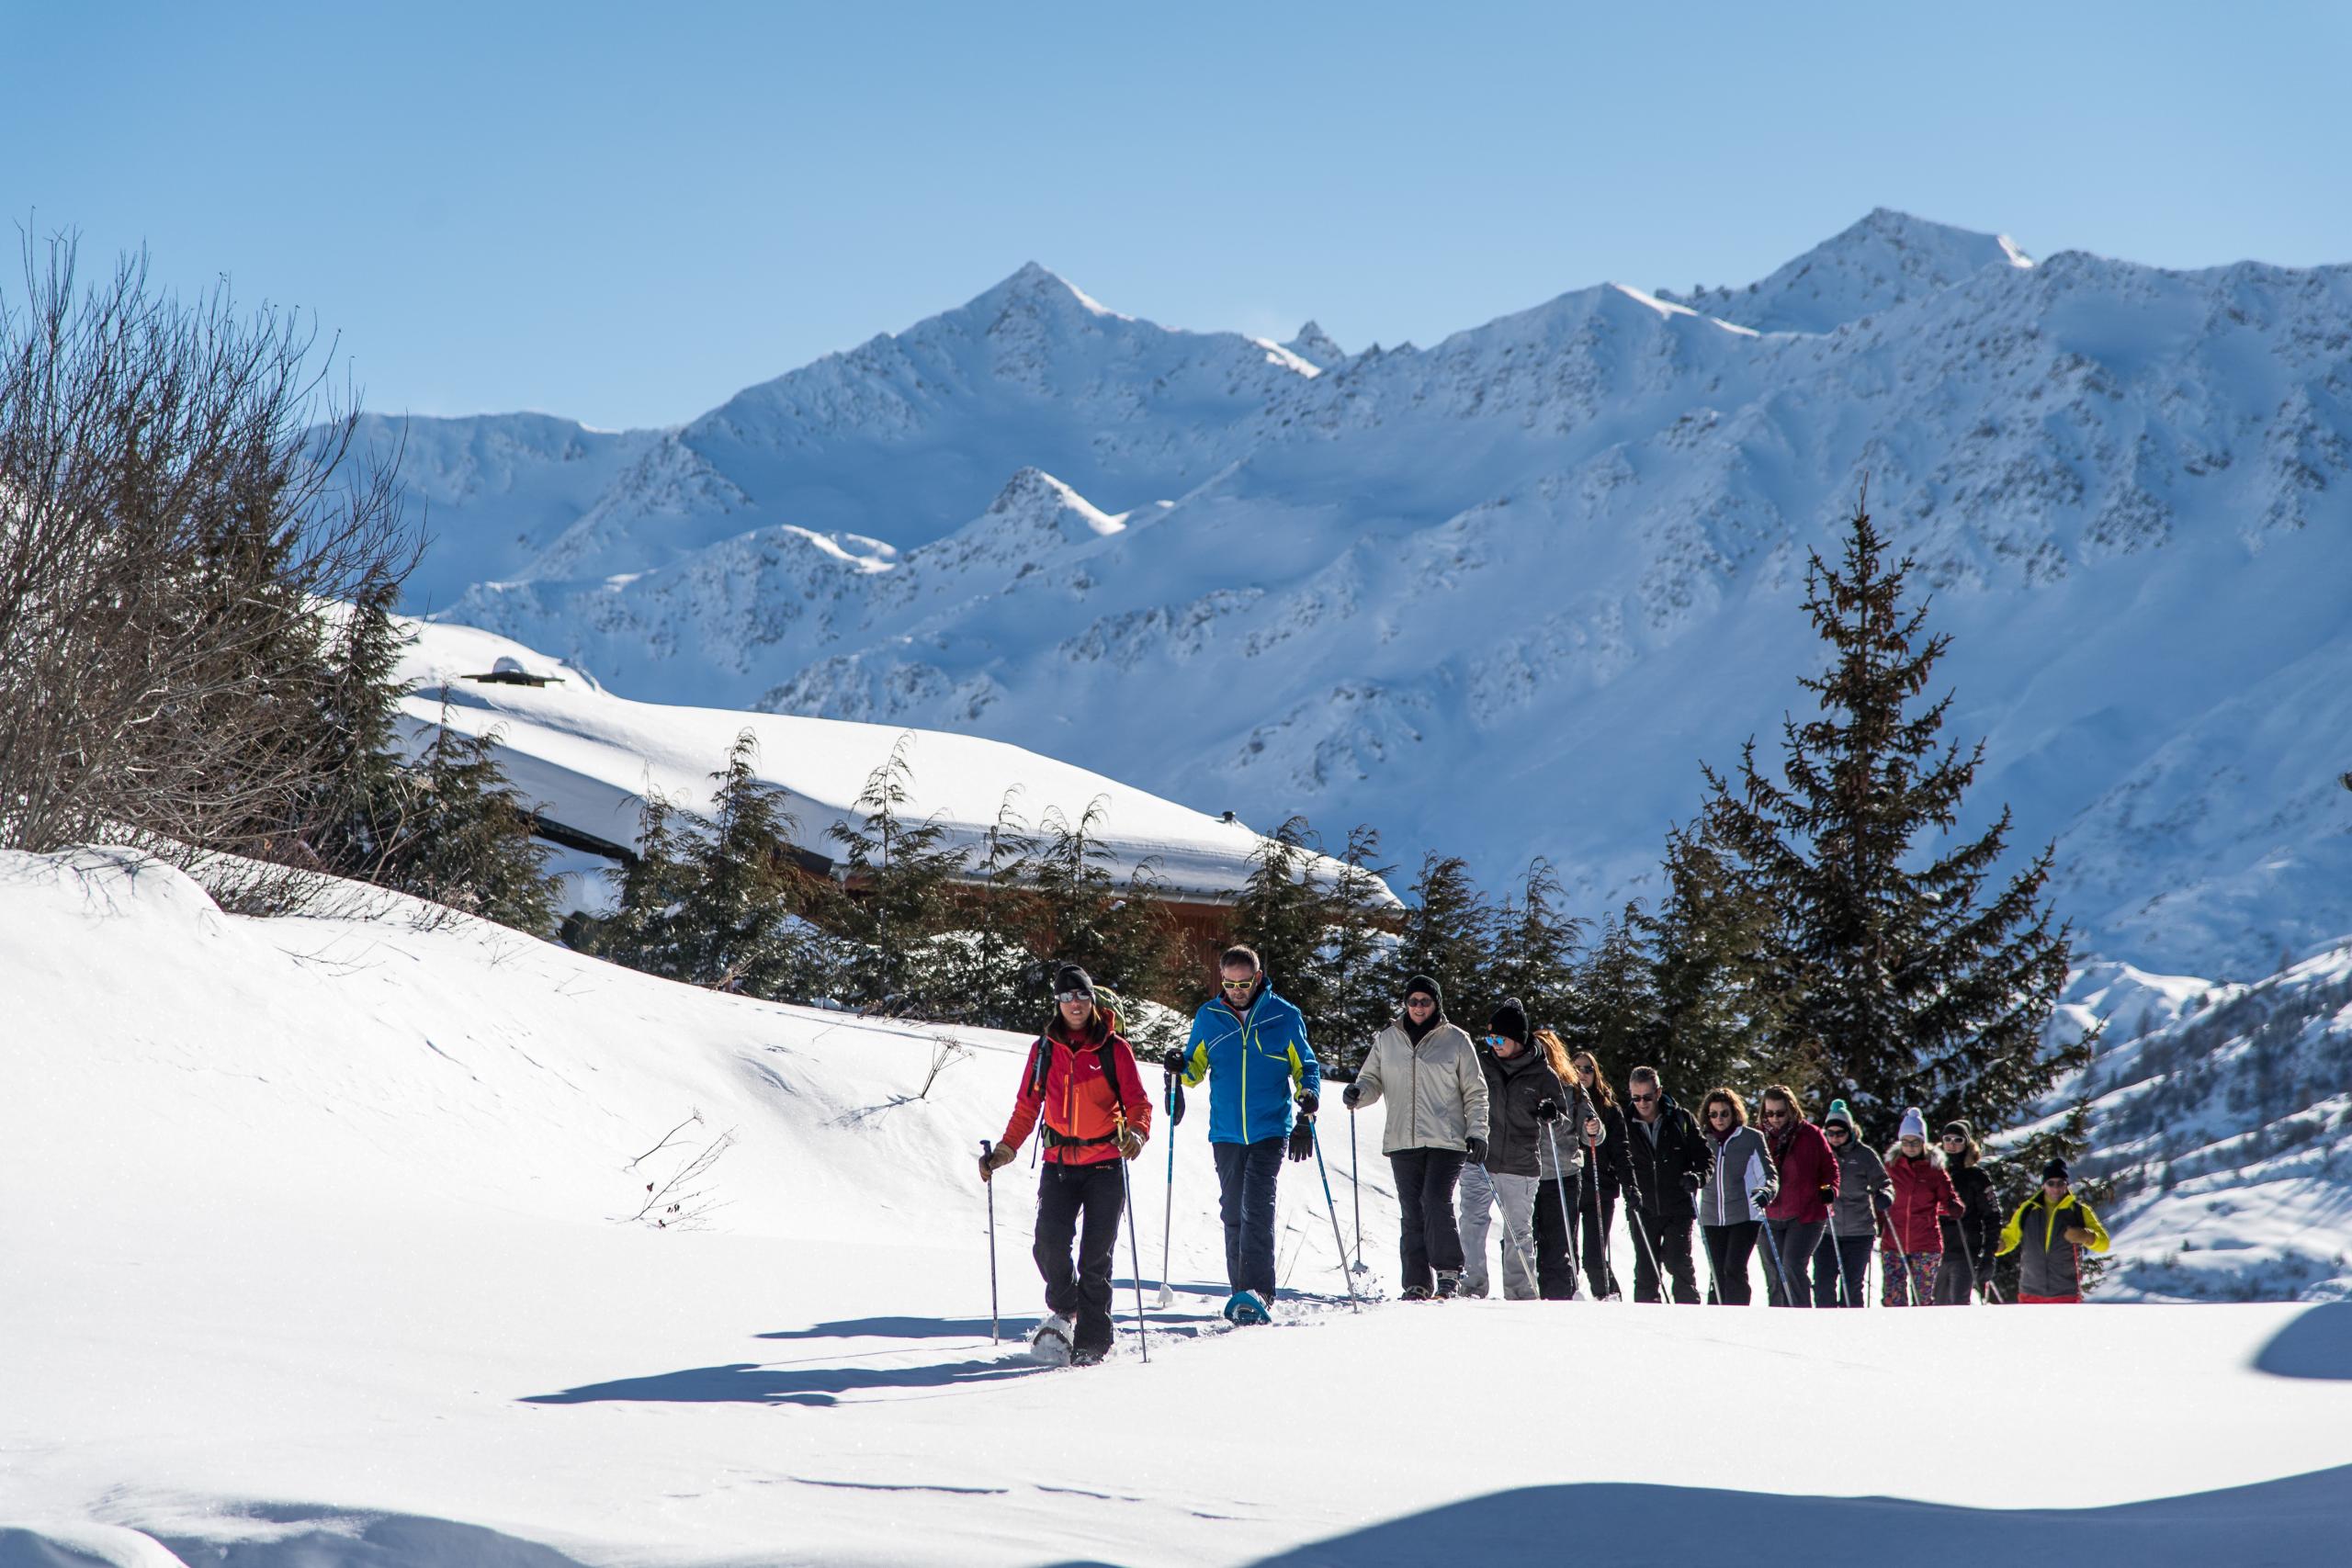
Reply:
x=625, y=213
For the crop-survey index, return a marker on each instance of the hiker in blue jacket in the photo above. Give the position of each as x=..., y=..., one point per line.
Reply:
x=1251, y=1046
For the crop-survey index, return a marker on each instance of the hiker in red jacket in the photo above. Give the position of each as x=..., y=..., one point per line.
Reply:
x=1798, y=1213
x=1923, y=1195
x=1081, y=1081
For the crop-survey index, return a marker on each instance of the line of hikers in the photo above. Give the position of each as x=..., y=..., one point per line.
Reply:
x=1517, y=1124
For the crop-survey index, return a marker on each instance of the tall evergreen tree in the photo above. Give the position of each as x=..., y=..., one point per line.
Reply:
x=993, y=970
x=1358, y=1001
x=1915, y=977
x=1122, y=937
x=467, y=841
x=1533, y=951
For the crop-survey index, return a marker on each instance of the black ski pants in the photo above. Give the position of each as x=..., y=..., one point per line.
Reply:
x=1841, y=1271
x=1955, y=1277
x=1669, y=1236
x=1790, y=1242
x=1065, y=1195
x=1425, y=1184
x=1555, y=1265
x=1246, y=1174
x=1728, y=1249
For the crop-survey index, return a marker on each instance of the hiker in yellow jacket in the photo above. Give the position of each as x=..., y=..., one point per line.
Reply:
x=2048, y=1233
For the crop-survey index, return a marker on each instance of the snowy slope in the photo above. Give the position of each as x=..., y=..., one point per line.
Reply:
x=316, y=1261
x=2223, y=1113
x=1498, y=595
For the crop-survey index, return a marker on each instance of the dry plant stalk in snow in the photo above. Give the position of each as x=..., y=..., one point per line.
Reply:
x=683, y=1200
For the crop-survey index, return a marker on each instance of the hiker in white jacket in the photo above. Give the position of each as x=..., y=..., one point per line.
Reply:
x=1437, y=1119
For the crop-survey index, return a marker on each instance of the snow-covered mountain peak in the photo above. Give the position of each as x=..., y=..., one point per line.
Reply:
x=1315, y=346
x=1887, y=258
x=1035, y=499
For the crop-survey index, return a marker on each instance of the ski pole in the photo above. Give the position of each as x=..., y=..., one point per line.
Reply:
x=1567, y=1222
x=1642, y=1245
x=1135, y=1252
x=1168, y=1218
x=1780, y=1268
x=1893, y=1258
x=1324, y=1171
x=988, y=1148
x=1355, y=1187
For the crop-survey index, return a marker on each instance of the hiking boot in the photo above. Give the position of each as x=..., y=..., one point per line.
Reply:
x=1448, y=1282
x=1416, y=1293
x=1476, y=1289
x=1087, y=1356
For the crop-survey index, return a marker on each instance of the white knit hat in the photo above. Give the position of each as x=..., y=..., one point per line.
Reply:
x=1915, y=1123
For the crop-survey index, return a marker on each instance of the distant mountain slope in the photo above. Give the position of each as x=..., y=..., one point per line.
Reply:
x=1500, y=595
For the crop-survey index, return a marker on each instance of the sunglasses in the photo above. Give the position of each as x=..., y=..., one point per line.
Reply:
x=1718, y=1115
x=1420, y=1001
x=1499, y=1039
x=1068, y=997
x=1772, y=1115
x=1644, y=1098
x=1835, y=1132
x=1242, y=985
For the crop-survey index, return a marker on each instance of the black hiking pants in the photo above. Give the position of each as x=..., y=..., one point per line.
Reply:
x=1669, y=1243
x=1555, y=1267
x=1067, y=1195
x=1246, y=1174
x=1728, y=1249
x=1793, y=1243
x=1425, y=1184
x=1594, y=1218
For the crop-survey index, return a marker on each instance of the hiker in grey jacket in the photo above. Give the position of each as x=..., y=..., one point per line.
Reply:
x=1841, y=1263
x=1731, y=1205
x=1437, y=1119
x=1521, y=1089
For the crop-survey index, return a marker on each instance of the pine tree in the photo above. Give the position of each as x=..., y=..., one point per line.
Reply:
x=1533, y=953
x=1924, y=984
x=467, y=841
x=1447, y=921
x=1357, y=999
x=900, y=896
x=1618, y=1016
x=1285, y=917
x=734, y=922
x=1124, y=938
x=363, y=821
x=992, y=969
x=1713, y=943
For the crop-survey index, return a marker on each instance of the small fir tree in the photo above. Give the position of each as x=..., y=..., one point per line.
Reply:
x=1533, y=953
x=900, y=897
x=1445, y=936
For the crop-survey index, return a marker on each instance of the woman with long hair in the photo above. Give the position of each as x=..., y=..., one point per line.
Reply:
x=1560, y=1158
x=1970, y=1240
x=1609, y=1157
x=1731, y=1205
x=1523, y=1092
x=1795, y=1221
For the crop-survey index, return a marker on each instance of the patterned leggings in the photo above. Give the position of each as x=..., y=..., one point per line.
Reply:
x=1919, y=1268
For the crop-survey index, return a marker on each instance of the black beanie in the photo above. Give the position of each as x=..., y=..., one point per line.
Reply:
x=2056, y=1168
x=1962, y=1128
x=1428, y=987
x=1071, y=977
x=1509, y=1021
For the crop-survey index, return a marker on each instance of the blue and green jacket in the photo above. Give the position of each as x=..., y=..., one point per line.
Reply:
x=1252, y=1060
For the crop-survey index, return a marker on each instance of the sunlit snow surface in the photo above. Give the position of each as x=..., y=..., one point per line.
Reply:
x=314, y=1258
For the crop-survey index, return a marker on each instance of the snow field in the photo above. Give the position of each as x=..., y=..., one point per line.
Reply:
x=311, y=1261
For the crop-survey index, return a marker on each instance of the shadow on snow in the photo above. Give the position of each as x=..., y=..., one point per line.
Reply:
x=749, y=1383
x=2316, y=1344
x=2298, y=1521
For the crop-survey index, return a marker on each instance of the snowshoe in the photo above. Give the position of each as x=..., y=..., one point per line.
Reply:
x=1049, y=1342
x=1086, y=1356
x=1448, y=1283
x=1247, y=1306
x=1416, y=1293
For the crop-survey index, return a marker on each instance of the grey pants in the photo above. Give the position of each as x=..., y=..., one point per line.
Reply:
x=1481, y=1191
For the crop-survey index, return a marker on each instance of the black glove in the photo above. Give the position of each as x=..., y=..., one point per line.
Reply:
x=1548, y=1109
x=1172, y=1060
x=1309, y=1102
x=1352, y=1097
x=1768, y=1191
x=1302, y=1139
x=1690, y=1182
x=1882, y=1202
x=1175, y=1103
x=1477, y=1151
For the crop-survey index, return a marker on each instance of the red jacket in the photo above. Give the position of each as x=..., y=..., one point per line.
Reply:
x=1808, y=1170
x=1923, y=1192
x=1065, y=1083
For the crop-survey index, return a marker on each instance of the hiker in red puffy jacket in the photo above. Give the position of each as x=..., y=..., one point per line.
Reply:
x=1080, y=1081
x=1798, y=1213
x=1923, y=1195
